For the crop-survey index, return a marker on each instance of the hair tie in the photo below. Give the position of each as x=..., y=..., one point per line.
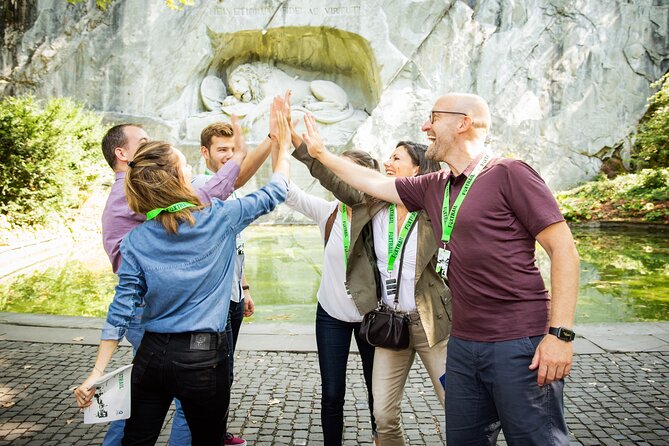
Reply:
x=131, y=164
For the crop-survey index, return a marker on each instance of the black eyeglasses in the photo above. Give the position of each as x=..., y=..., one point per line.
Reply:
x=447, y=112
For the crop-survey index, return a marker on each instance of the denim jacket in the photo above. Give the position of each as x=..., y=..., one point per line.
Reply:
x=185, y=279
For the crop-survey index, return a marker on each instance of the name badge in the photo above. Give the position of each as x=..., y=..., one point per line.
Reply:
x=240, y=245
x=391, y=287
x=443, y=259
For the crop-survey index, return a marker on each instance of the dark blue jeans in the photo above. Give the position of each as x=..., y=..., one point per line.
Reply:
x=166, y=367
x=489, y=386
x=235, y=318
x=333, y=338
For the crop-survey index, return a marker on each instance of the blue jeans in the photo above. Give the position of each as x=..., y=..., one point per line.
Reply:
x=235, y=318
x=134, y=335
x=489, y=386
x=174, y=365
x=333, y=338
x=180, y=435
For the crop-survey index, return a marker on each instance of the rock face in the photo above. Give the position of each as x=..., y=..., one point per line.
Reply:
x=566, y=79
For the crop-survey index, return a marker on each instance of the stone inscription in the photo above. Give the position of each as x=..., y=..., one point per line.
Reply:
x=289, y=10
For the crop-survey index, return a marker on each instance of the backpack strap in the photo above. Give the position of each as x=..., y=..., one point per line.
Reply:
x=329, y=224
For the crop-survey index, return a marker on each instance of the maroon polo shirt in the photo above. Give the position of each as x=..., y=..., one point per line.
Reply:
x=498, y=292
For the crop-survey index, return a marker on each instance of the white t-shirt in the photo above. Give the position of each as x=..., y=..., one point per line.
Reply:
x=332, y=293
x=407, y=299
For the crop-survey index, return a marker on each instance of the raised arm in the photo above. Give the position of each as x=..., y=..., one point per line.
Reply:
x=254, y=159
x=342, y=191
x=361, y=178
x=280, y=135
x=240, y=143
x=246, y=209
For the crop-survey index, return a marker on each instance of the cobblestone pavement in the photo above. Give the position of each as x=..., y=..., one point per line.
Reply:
x=611, y=399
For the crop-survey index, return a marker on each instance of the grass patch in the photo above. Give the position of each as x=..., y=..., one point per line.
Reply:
x=68, y=289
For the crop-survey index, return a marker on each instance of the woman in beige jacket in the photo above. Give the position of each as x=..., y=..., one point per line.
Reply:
x=422, y=294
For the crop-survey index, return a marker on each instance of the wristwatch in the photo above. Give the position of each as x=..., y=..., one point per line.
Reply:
x=563, y=334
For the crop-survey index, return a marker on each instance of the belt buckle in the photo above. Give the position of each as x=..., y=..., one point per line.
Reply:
x=200, y=341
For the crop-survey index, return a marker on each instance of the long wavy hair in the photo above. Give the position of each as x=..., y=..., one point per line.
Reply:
x=155, y=180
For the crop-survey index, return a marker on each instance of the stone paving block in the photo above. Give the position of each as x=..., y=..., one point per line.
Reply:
x=609, y=397
x=630, y=343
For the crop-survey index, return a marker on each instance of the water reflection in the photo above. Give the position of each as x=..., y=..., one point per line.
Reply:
x=283, y=267
x=624, y=273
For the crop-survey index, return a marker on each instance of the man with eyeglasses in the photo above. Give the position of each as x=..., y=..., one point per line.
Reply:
x=510, y=347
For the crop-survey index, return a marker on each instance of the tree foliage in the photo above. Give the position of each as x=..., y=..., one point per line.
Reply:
x=50, y=155
x=652, y=138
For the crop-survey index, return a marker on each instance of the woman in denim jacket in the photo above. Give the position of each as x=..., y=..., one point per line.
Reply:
x=178, y=265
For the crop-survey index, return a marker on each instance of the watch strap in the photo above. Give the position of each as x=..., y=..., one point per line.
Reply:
x=562, y=333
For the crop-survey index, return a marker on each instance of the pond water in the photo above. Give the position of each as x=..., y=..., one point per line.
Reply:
x=624, y=273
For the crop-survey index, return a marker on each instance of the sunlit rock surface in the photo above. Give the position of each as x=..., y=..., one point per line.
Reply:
x=566, y=80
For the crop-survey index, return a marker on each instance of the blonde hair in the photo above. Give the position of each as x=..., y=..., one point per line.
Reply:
x=155, y=180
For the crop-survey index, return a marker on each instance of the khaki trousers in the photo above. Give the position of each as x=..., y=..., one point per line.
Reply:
x=389, y=375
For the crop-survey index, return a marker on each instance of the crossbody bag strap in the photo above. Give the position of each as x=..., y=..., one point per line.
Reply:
x=399, y=271
x=329, y=224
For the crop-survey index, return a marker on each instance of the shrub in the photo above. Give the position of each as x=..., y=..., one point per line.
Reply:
x=652, y=139
x=49, y=153
x=639, y=196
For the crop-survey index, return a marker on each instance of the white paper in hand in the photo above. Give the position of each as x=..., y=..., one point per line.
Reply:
x=112, y=397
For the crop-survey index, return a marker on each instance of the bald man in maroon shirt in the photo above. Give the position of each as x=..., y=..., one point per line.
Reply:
x=510, y=347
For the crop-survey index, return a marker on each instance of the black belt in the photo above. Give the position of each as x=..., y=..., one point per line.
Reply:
x=192, y=340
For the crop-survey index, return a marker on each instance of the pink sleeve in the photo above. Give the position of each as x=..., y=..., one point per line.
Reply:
x=221, y=185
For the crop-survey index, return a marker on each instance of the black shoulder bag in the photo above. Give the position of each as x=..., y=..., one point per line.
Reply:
x=385, y=326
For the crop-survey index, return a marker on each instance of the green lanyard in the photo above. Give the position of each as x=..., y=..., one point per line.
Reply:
x=448, y=216
x=176, y=207
x=394, y=248
x=345, y=234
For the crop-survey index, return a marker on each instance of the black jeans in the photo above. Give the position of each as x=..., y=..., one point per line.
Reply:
x=167, y=366
x=333, y=338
